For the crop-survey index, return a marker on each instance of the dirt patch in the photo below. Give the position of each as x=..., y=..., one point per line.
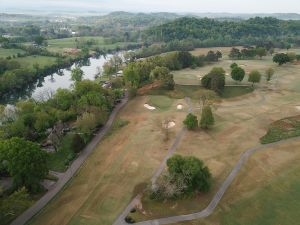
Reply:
x=149, y=87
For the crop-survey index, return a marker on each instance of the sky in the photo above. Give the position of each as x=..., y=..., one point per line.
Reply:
x=231, y=6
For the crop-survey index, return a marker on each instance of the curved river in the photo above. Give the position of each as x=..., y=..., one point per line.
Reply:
x=47, y=85
x=51, y=83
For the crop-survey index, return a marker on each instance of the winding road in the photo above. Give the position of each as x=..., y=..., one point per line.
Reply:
x=65, y=177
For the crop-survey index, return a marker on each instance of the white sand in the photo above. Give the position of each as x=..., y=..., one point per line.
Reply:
x=149, y=107
x=179, y=107
x=171, y=124
x=298, y=107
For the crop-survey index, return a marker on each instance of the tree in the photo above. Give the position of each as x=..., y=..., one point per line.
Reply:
x=77, y=143
x=238, y=73
x=196, y=176
x=25, y=162
x=254, y=77
x=281, y=58
x=235, y=53
x=261, y=52
x=206, y=96
x=86, y=124
x=39, y=40
x=214, y=80
x=14, y=204
x=207, y=118
x=233, y=65
x=191, y=121
x=76, y=74
x=269, y=74
x=185, y=175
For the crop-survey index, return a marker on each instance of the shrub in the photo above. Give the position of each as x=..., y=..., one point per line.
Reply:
x=207, y=118
x=77, y=143
x=191, y=121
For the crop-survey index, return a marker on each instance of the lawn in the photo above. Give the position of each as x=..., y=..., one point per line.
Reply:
x=9, y=52
x=58, y=161
x=29, y=61
x=160, y=102
x=57, y=45
x=115, y=171
x=235, y=91
x=276, y=203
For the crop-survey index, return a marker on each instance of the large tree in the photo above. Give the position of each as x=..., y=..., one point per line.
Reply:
x=25, y=162
x=281, y=58
x=214, y=80
x=238, y=73
x=77, y=74
x=207, y=118
x=254, y=77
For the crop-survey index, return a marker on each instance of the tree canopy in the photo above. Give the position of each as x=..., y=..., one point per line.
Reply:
x=25, y=162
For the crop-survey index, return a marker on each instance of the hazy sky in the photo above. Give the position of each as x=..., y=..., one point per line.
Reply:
x=235, y=6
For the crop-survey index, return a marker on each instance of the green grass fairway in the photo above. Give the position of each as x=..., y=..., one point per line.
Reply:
x=275, y=203
x=9, y=52
x=29, y=61
x=235, y=91
x=160, y=102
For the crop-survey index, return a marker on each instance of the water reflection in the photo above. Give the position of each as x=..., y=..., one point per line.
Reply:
x=61, y=79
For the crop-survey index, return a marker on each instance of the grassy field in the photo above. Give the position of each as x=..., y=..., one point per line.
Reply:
x=9, y=52
x=57, y=45
x=95, y=195
x=203, y=51
x=193, y=76
x=29, y=61
x=128, y=157
x=235, y=91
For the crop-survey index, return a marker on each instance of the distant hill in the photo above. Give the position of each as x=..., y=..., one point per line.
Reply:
x=281, y=16
x=217, y=33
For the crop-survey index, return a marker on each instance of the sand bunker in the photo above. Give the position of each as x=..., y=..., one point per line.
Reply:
x=179, y=106
x=170, y=125
x=149, y=107
x=298, y=107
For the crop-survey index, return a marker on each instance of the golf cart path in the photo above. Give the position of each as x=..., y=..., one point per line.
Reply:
x=218, y=196
x=120, y=220
x=65, y=177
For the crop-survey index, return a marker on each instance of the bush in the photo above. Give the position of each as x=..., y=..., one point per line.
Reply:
x=129, y=219
x=207, y=118
x=191, y=121
x=77, y=143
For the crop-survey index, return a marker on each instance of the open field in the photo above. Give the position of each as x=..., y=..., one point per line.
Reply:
x=203, y=51
x=120, y=164
x=57, y=45
x=128, y=157
x=29, y=61
x=9, y=52
x=193, y=76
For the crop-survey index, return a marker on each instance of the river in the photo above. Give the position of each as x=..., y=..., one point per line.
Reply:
x=49, y=84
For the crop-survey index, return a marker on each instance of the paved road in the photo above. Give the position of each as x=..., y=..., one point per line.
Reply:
x=172, y=149
x=63, y=179
x=218, y=196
